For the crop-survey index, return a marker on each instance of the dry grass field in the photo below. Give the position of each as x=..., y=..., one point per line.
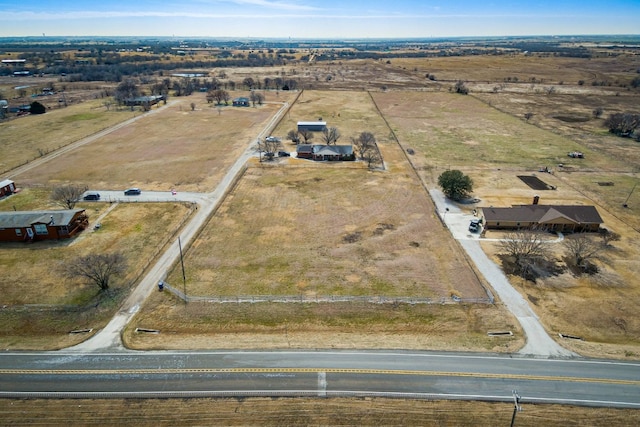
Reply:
x=30, y=137
x=174, y=147
x=31, y=283
x=303, y=228
x=301, y=411
x=376, y=224
x=448, y=130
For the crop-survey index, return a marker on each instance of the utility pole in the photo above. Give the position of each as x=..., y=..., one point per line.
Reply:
x=629, y=196
x=516, y=407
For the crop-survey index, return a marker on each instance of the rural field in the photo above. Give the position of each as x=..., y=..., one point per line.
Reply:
x=300, y=411
x=299, y=228
x=296, y=228
x=41, y=307
x=292, y=228
x=172, y=147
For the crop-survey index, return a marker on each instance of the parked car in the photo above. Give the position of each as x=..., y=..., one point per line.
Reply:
x=283, y=154
x=132, y=192
x=272, y=139
x=474, y=225
x=92, y=196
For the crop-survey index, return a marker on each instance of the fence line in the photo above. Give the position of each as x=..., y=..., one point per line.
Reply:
x=252, y=299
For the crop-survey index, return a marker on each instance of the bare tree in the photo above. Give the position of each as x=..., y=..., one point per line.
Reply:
x=219, y=96
x=364, y=143
x=249, y=82
x=256, y=97
x=330, y=135
x=525, y=247
x=306, y=135
x=528, y=115
x=608, y=236
x=126, y=90
x=581, y=250
x=597, y=112
x=67, y=195
x=268, y=146
x=373, y=157
x=461, y=87
x=96, y=268
x=293, y=136
x=622, y=124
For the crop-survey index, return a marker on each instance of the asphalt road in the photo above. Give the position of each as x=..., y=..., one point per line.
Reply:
x=330, y=373
x=100, y=367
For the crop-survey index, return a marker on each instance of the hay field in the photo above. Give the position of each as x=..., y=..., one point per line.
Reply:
x=174, y=147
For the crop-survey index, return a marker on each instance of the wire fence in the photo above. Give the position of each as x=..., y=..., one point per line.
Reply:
x=305, y=299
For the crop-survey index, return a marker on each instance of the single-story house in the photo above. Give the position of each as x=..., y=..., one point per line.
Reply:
x=563, y=218
x=241, y=102
x=326, y=152
x=144, y=100
x=30, y=226
x=312, y=126
x=7, y=187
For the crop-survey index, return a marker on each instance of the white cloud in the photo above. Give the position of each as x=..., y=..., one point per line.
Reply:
x=270, y=4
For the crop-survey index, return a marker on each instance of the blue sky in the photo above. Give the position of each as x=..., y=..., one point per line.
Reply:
x=317, y=19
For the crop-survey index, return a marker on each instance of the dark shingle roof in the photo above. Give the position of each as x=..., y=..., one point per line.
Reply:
x=544, y=214
x=13, y=219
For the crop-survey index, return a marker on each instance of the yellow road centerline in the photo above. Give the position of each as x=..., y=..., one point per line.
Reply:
x=175, y=371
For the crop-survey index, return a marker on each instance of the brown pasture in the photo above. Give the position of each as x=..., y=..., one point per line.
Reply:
x=30, y=137
x=174, y=147
x=40, y=307
x=483, y=134
x=302, y=411
x=488, y=145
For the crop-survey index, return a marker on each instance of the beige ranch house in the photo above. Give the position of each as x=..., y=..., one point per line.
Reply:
x=562, y=218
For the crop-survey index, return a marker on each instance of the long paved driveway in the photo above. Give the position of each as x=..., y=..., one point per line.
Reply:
x=109, y=336
x=539, y=343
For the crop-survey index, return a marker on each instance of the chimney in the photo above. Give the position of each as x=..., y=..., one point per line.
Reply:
x=536, y=199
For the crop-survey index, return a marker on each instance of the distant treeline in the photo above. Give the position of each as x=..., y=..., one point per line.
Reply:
x=105, y=59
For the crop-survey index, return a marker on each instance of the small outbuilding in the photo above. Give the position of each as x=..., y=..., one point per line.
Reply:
x=7, y=188
x=318, y=126
x=241, y=102
x=30, y=226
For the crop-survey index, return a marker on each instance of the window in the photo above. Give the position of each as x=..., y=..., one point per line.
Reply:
x=18, y=232
x=41, y=228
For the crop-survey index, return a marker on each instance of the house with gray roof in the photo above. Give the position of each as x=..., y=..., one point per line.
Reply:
x=325, y=152
x=562, y=218
x=30, y=226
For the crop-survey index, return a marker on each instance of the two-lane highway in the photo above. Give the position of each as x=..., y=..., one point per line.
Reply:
x=326, y=373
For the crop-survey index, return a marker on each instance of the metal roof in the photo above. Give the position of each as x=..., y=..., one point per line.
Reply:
x=312, y=123
x=18, y=219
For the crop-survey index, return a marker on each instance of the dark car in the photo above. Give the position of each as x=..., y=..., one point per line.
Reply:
x=92, y=196
x=132, y=192
x=283, y=154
